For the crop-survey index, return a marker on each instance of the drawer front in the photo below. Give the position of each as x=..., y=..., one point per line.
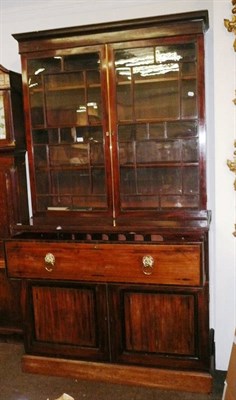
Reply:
x=170, y=264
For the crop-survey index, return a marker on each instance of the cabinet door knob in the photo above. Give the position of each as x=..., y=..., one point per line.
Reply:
x=49, y=260
x=148, y=264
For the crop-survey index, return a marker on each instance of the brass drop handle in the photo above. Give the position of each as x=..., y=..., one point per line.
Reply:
x=49, y=260
x=148, y=264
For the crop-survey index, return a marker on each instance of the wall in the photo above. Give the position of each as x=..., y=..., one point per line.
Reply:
x=28, y=15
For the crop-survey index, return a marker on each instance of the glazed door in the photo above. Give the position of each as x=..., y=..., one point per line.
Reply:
x=159, y=326
x=67, y=320
x=68, y=120
x=157, y=125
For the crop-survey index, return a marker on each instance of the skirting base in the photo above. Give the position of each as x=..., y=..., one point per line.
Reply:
x=189, y=381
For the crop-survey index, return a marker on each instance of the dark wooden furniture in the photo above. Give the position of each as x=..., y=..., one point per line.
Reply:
x=115, y=262
x=13, y=193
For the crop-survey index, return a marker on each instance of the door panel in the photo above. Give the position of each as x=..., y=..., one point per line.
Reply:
x=159, y=326
x=68, y=320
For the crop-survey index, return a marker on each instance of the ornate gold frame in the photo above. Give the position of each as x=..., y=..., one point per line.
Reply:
x=231, y=27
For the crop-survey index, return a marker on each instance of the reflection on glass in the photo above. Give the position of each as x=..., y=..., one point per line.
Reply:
x=65, y=90
x=47, y=65
x=2, y=118
x=153, y=82
x=183, y=52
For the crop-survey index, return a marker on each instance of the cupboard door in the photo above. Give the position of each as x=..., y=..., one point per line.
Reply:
x=67, y=320
x=156, y=326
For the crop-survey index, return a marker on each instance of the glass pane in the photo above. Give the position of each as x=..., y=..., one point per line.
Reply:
x=156, y=100
x=159, y=180
x=127, y=132
x=148, y=82
x=189, y=98
x=40, y=136
x=191, y=180
x=2, y=118
x=157, y=131
x=80, y=203
x=71, y=88
x=96, y=153
x=66, y=107
x=181, y=129
x=40, y=156
x=179, y=201
x=64, y=181
x=177, y=53
x=148, y=181
x=42, y=182
x=152, y=151
x=44, y=65
x=42, y=203
x=98, y=182
x=188, y=70
x=78, y=189
x=76, y=154
x=139, y=202
x=69, y=166
x=126, y=153
x=124, y=102
x=78, y=62
x=35, y=83
x=127, y=181
x=37, y=108
x=147, y=85
x=190, y=150
x=94, y=105
x=140, y=132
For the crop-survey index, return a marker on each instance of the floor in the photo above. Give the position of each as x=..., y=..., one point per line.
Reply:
x=15, y=385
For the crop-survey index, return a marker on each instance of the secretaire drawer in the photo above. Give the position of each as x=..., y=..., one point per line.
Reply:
x=172, y=264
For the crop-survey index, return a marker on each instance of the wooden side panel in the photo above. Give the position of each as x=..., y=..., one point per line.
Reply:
x=10, y=311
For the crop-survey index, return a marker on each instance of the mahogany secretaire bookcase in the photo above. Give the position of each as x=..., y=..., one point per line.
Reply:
x=114, y=264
